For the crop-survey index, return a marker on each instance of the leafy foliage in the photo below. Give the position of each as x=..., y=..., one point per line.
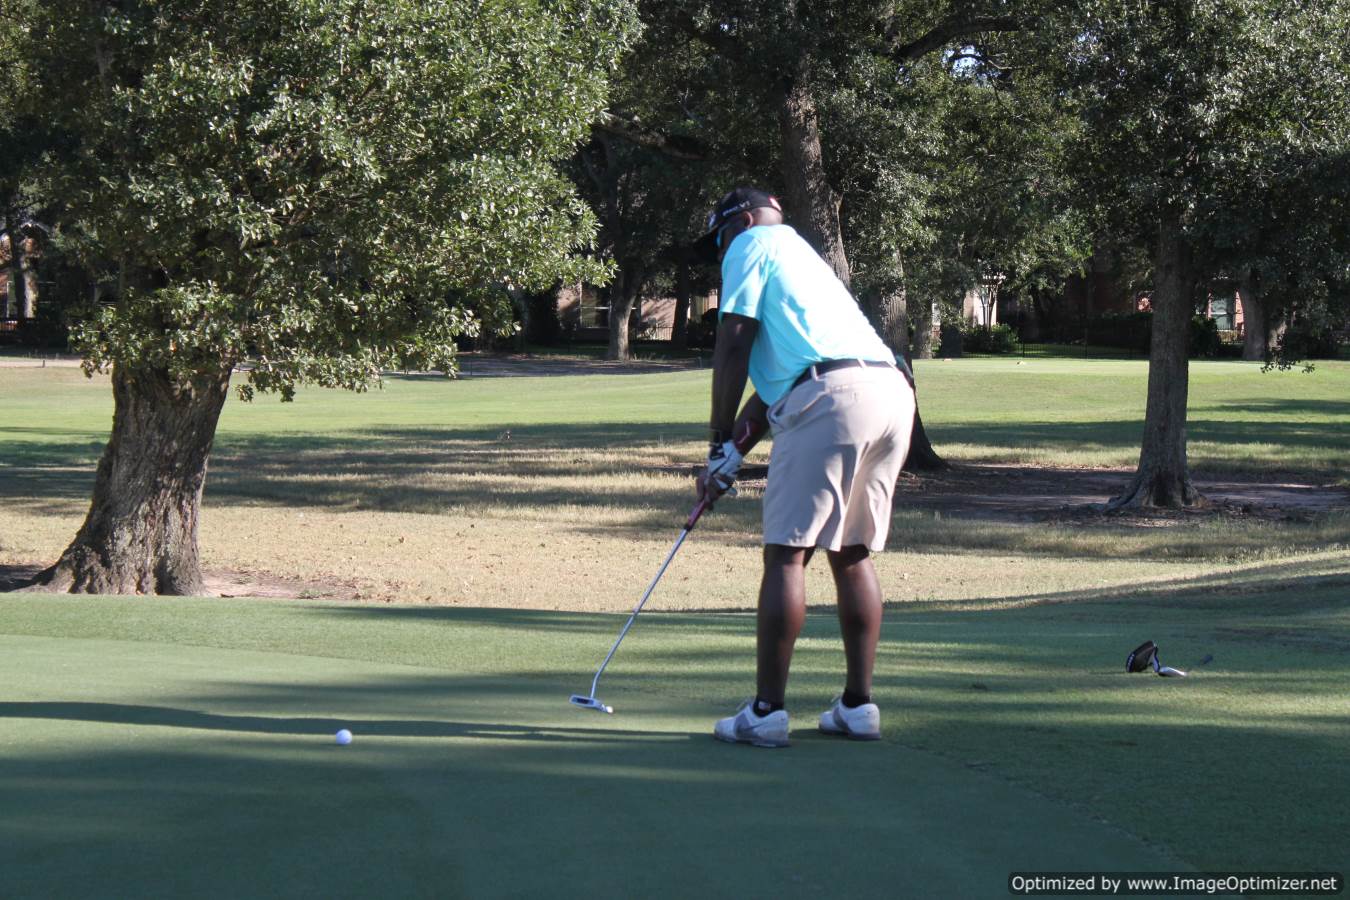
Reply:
x=1229, y=114
x=326, y=186
x=990, y=339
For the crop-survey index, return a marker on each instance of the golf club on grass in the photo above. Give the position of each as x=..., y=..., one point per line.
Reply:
x=589, y=701
x=1146, y=655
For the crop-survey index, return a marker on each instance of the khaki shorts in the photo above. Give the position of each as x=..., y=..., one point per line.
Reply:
x=839, y=441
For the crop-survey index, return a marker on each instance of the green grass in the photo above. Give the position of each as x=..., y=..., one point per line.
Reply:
x=414, y=492
x=1072, y=351
x=1090, y=413
x=1053, y=411
x=184, y=748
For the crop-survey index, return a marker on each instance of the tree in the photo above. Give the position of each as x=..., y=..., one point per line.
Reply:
x=1181, y=102
x=957, y=175
x=323, y=187
x=776, y=91
x=770, y=67
x=652, y=172
x=1286, y=245
x=21, y=136
x=648, y=203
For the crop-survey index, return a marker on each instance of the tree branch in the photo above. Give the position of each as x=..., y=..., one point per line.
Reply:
x=943, y=34
x=631, y=129
x=716, y=38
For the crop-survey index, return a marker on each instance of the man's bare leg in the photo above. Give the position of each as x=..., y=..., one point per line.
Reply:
x=859, y=595
x=782, y=610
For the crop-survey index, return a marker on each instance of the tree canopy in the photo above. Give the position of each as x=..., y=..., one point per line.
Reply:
x=323, y=189
x=325, y=186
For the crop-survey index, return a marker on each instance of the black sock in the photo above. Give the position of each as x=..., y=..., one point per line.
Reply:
x=853, y=701
x=763, y=707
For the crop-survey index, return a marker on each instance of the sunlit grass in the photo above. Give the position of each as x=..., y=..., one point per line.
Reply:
x=565, y=492
x=492, y=508
x=196, y=711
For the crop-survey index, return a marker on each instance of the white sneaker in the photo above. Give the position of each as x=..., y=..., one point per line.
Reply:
x=862, y=723
x=747, y=728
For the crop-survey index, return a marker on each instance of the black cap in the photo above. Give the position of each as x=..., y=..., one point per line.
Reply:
x=740, y=200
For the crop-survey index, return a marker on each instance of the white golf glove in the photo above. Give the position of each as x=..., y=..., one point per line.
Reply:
x=724, y=464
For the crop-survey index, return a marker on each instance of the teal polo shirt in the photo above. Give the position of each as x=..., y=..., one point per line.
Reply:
x=805, y=313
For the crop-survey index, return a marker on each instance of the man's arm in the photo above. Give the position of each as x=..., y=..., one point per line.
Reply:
x=731, y=363
x=731, y=367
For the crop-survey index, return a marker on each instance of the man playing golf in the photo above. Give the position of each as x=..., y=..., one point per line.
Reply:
x=840, y=413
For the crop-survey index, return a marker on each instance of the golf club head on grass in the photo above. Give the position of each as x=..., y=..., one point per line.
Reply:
x=1146, y=655
x=590, y=703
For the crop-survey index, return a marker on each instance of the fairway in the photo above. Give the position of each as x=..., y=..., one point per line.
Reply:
x=494, y=533
x=511, y=492
x=138, y=732
x=367, y=368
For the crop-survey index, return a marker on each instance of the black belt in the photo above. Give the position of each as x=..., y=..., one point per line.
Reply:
x=829, y=365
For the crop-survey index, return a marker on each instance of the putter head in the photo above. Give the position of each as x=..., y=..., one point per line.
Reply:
x=589, y=703
x=1146, y=655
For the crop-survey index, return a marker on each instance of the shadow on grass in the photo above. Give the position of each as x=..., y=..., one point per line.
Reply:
x=1277, y=589
x=1288, y=407
x=509, y=468
x=974, y=701
x=405, y=470
x=1298, y=449
x=169, y=717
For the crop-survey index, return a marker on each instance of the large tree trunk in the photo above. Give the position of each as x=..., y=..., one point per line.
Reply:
x=1276, y=326
x=922, y=317
x=28, y=309
x=922, y=457
x=892, y=314
x=1253, y=319
x=623, y=291
x=140, y=536
x=1163, y=479
x=811, y=203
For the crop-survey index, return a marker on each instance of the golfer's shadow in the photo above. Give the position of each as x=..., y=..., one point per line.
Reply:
x=169, y=717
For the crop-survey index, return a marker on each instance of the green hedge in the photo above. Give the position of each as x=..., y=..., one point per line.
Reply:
x=998, y=339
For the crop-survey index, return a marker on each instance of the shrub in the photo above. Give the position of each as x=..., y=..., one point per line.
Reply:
x=49, y=330
x=1134, y=331
x=1205, y=341
x=545, y=328
x=951, y=342
x=997, y=339
x=1128, y=331
x=1310, y=342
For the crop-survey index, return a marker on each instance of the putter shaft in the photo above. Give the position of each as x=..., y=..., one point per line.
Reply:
x=689, y=524
x=637, y=609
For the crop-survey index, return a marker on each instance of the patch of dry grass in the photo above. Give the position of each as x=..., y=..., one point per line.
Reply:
x=558, y=493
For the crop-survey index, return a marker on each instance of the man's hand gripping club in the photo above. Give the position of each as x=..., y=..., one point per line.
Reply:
x=724, y=457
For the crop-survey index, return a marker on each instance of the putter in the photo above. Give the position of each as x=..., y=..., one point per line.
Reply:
x=590, y=701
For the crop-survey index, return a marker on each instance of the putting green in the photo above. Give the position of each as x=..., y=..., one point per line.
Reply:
x=198, y=759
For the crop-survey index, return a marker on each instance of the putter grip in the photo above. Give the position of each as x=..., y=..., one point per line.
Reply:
x=698, y=510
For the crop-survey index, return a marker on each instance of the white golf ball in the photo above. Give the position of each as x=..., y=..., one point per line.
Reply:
x=344, y=737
